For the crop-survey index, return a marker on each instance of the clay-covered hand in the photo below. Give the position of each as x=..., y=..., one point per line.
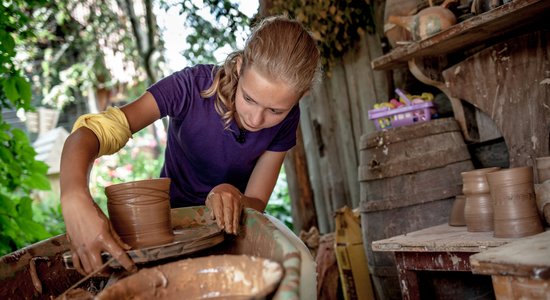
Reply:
x=89, y=233
x=225, y=204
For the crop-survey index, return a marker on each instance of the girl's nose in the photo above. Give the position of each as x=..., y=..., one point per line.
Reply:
x=257, y=118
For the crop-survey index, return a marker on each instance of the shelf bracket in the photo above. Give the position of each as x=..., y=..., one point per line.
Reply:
x=432, y=76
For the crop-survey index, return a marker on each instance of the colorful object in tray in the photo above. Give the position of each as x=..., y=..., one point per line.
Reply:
x=404, y=112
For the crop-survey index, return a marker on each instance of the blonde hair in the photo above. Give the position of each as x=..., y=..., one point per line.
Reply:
x=279, y=48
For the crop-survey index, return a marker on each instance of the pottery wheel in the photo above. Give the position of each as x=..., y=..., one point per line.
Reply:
x=186, y=241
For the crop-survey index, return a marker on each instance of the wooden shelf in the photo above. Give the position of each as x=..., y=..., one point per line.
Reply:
x=471, y=32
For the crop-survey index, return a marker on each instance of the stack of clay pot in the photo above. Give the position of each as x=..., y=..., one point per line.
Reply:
x=501, y=200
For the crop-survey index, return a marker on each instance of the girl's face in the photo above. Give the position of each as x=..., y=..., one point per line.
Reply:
x=260, y=102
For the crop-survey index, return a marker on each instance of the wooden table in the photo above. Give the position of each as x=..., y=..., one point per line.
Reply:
x=519, y=270
x=437, y=248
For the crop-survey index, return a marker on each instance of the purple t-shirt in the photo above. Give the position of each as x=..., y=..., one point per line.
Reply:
x=200, y=154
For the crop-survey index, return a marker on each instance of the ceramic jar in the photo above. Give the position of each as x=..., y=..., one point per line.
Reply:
x=140, y=212
x=426, y=22
x=478, y=209
x=457, y=212
x=514, y=203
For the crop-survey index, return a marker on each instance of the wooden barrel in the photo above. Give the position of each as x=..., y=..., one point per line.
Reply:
x=409, y=177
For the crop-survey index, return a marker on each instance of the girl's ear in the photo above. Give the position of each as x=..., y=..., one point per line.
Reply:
x=239, y=64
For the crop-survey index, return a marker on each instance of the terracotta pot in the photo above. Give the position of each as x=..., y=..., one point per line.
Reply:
x=478, y=209
x=457, y=212
x=543, y=168
x=426, y=22
x=140, y=212
x=514, y=202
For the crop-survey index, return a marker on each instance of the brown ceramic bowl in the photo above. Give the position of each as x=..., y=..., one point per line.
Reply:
x=208, y=277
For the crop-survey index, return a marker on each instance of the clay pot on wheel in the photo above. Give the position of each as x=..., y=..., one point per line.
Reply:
x=427, y=22
x=140, y=212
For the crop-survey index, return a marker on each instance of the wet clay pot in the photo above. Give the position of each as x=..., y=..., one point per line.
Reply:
x=514, y=203
x=478, y=209
x=457, y=212
x=543, y=168
x=140, y=212
x=426, y=22
x=209, y=277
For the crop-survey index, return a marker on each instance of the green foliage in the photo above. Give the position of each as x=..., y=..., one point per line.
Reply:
x=279, y=204
x=20, y=172
x=66, y=56
x=47, y=211
x=212, y=30
x=337, y=25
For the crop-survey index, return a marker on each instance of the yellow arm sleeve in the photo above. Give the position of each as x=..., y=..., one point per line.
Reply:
x=111, y=128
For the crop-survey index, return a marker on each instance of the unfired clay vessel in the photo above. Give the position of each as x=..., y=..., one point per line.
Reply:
x=478, y=210
x=208, y=277
x=457, y=212
x=514, y=202
x=140, y=212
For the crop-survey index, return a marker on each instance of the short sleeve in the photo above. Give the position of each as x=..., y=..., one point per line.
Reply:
x=173, y=93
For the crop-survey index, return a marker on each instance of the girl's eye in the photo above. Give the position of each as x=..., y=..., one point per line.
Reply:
x=247, y=99
x=276, y=112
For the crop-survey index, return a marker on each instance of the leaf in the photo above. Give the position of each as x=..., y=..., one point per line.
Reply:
x=24, y=90
x=37, y=181
x=33, y=231
x=25, y=208
x=10, y=90
x=7, y=42
x=7, y=205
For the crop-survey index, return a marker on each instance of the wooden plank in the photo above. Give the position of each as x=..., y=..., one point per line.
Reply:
x=345, y=137
x=413, y=189
x=433, y=261
x=441, y=238
x=509, y=82
x=315, y=149
x=526, y=257
x=299, y=187
x=399, y=134
x=473, y=31
x=412, y=156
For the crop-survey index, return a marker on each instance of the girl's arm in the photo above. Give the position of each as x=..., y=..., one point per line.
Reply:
x=88, y=229
x=226, y=202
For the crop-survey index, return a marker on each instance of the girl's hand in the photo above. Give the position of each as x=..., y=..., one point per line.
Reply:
x=225, y=204
x=89, y=232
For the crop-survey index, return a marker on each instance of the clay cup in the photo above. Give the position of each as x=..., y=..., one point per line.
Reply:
x=478, y=209
x=514, y=203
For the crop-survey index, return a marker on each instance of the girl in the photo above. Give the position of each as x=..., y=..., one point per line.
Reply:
x=229, y=130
